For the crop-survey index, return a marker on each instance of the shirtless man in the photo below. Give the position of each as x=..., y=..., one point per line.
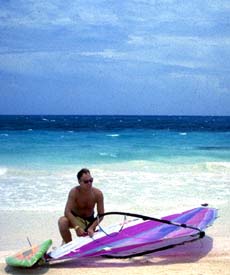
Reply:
x=79, y=210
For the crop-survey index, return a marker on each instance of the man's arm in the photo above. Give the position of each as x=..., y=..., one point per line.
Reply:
x=69, y=206
x=100, y=210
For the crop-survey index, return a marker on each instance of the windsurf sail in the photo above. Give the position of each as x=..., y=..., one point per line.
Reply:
x=139, y=236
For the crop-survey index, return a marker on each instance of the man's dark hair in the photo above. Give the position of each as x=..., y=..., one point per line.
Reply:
x=81, y=172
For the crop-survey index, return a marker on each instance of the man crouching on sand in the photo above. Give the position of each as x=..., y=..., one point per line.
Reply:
x=79, y=210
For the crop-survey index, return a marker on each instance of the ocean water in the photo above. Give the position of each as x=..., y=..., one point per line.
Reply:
x=149, y=165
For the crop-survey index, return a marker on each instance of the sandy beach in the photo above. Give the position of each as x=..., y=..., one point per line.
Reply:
x=213, y=265
x=210, y=255
x=168, y=263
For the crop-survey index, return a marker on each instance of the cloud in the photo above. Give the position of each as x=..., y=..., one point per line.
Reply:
x=188, y=51
x=61, y=62
x=27, y=14
x=42, y=14
x=97, y=16
x=161, y=40
x=107, y=54
x=136, y=42
x=127, y=14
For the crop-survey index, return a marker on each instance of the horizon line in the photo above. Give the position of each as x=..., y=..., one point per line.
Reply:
x=140, y=115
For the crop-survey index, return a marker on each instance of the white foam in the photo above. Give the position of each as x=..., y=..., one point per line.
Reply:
x=218, y=165
x=186, y=182
x=113, y=135
x=103, y=154
x=3, y=171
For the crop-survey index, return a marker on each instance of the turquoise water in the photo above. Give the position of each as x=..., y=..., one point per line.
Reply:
x=142, y=164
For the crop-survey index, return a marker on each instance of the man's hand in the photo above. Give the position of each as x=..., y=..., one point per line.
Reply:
x=90, y=232
x=80, y=232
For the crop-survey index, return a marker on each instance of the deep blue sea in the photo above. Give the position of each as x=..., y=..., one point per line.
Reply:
x=145, y=164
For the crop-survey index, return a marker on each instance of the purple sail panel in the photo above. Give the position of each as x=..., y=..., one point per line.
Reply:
x=139, y=236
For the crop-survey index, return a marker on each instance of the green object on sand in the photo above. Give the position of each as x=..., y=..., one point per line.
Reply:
x=29, y=257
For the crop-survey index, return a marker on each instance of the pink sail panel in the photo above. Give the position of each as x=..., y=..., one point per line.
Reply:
x=140, y=236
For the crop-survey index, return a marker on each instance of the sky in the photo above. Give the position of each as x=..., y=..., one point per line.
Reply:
x=159, y=57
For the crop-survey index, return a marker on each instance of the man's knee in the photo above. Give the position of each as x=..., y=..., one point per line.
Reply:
x=63, y=223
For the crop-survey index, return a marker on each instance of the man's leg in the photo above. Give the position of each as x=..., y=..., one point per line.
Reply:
x=64, y=229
